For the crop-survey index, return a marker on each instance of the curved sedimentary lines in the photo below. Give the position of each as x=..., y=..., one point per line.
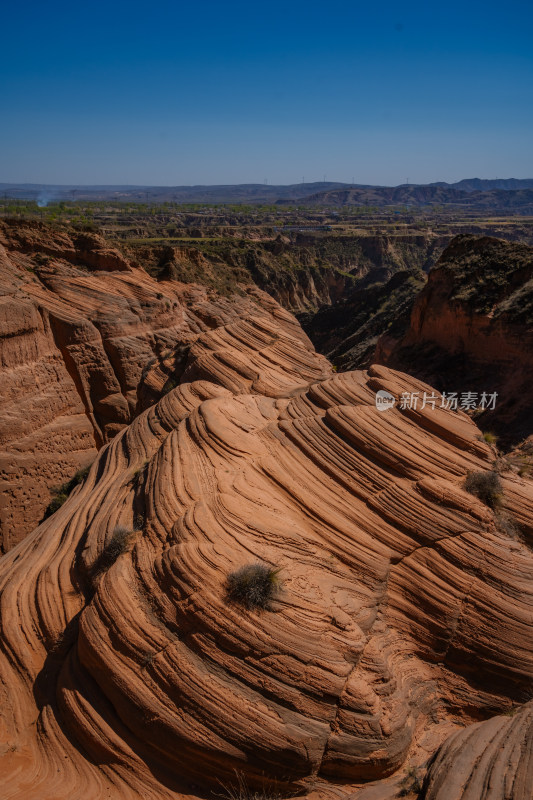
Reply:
x=349, y=388
x=336, y=522
x=476, y=614
x=411, y=512
x=251, y=356
x=76, y=344
x=389, y=439
x=486, y=761
x=386, y=566
x=188, y=697
x=519, y=503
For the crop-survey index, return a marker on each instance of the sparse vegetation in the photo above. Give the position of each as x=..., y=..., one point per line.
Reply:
x=139, y=522
x=490, y=438
x=253, y=586
x=78, y=478
x=61, y=493
x=411, y=785
x=486, y=486
x=501, y=464
x=506, y=524
x=147, y=659
x=117, y=545
x=140, y=470
x=55, y=503
x=525, y=467
x=240, y=790
x=169, y=385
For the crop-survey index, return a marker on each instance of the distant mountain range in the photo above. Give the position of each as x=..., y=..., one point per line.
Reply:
x=511, y=193
x=480, y=185
x=411, y=195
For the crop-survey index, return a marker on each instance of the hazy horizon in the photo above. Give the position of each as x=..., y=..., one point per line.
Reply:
x=173, y=95
x=241, y=183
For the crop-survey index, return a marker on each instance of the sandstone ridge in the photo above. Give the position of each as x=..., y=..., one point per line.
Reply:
x=404, y=609
x=78, y=325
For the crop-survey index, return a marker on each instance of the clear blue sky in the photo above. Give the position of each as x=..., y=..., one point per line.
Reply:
x=227, y=92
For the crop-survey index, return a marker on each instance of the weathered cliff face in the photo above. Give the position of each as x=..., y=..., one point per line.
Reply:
x=302, y=271
x=471, y=329
x=404, y=607
x=78, y=324
x=348, y=332
x=326, y=270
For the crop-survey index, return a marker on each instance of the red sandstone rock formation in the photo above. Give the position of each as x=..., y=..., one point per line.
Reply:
x=472, y=329
x=77, y=326
x=404, y=612
x=486, y=761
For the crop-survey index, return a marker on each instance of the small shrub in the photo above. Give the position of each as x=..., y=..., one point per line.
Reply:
x=117, y=545
x=525, y=468
x=147, y=367
x=78, y=478
x=253, y=586
x=490, y=438
x=140, y=470
x=138, y=522
x=411, y=783
x=55, y=503
x=501, y=464
x=240, y=790
x=487, y=486
x=62, y=492
x=147, y=659
x=507, y=525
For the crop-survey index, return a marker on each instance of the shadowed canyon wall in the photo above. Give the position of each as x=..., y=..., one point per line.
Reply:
x=471, y=329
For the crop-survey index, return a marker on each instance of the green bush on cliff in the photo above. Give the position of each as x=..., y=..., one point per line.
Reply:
x=61, y=493
x=55, y=503
x=490, y=438
x=253, y=586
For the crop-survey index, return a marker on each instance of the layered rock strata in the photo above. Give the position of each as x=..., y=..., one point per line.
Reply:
x=78, y=325
x=404, y=609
